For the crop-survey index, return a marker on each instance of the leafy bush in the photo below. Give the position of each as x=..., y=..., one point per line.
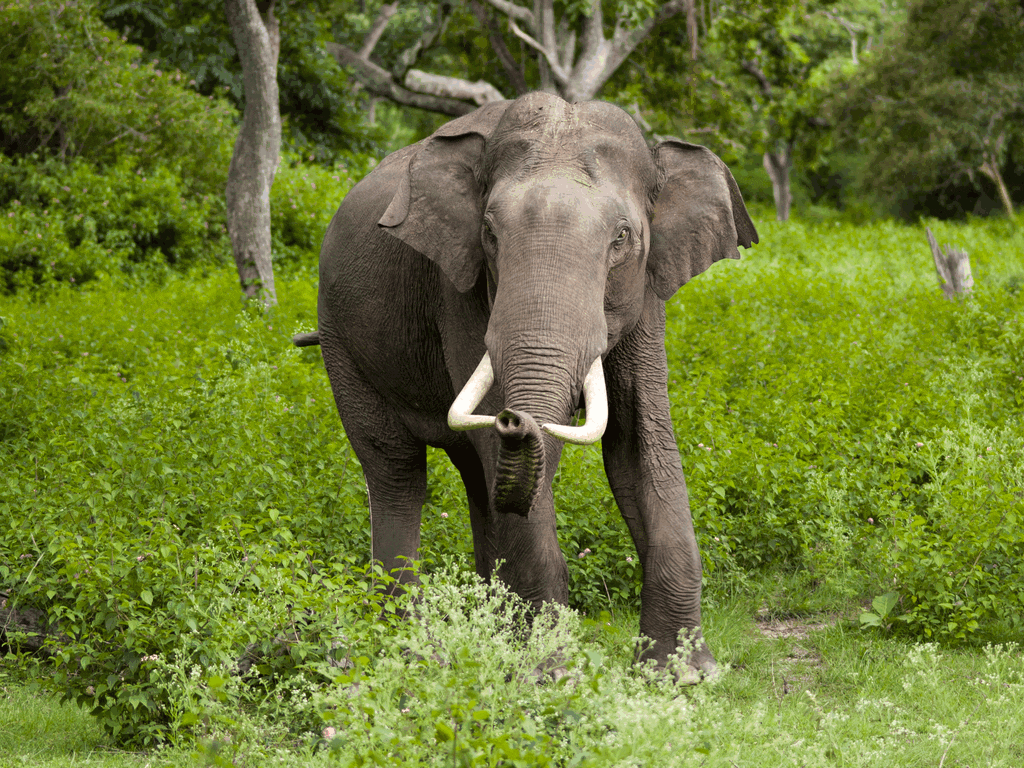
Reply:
x=799, y=409
x=69, y=87
x=156, y=436
x=303, y=200
x=72, y=223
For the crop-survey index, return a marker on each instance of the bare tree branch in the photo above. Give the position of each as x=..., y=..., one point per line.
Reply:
x=593, y=32
x=755, y=71
x=551, y=57
x=479, y=92
x=430, y=35
x=380, y=82
x=508, y=62
x=566, y=42
x=373, y=36
x=851, y=29
x=691, y=27
x=514, y=11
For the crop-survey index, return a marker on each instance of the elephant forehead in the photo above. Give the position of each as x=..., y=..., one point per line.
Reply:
x=563, y=196
x=541, y=132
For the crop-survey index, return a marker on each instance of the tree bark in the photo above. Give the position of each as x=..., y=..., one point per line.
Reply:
x=257, y=149
x=691, y=28
x=778, y=165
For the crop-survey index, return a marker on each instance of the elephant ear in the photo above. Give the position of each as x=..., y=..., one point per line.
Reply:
x=699, y=217
x=436, y=209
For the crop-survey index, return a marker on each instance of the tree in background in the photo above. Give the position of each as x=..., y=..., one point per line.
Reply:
x=768, y=69
x=321, y=113
x=257, y=38
x=944, y=102
x=110, y=164
x=71, y=89
x=572, y=50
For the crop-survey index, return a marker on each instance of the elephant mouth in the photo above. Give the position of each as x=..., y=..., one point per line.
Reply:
x=461, y=417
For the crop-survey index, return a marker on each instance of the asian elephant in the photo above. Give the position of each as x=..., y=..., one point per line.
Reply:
x=476, y=285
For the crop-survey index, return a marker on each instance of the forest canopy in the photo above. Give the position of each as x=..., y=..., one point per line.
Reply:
x=855, y=108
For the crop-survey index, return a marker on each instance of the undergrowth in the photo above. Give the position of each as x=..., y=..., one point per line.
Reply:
x=178, y=494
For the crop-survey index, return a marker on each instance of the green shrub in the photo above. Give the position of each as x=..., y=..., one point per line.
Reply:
x=69, y=87
x=303, y=200
x=797, y=409
x=957, y=551
x=73, y=223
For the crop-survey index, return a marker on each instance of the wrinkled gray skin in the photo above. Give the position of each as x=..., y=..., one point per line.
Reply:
x=546, y=234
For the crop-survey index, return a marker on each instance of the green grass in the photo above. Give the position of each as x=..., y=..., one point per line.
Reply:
x=177, y=487
x=37, y=730
x=828, y=696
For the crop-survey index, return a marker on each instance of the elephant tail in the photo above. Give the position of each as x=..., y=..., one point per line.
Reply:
x=307, y=339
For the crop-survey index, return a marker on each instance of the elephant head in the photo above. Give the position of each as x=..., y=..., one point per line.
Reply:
x=567, y=219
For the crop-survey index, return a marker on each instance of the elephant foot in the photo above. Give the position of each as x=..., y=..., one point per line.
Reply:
x=685, y=657
x=698, y=671
x=549, y=671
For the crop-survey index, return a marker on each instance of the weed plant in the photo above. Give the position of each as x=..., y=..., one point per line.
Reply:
x=178, y=496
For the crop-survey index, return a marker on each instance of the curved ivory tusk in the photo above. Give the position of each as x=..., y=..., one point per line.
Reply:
x=460, y=415
x=595, y=397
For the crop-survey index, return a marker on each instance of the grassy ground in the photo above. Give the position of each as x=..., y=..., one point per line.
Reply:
x=798, y=691
x=177, y=486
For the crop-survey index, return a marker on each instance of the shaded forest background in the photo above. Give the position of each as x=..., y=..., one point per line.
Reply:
x=118, y=119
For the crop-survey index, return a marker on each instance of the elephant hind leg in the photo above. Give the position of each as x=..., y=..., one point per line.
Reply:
x=394, y=465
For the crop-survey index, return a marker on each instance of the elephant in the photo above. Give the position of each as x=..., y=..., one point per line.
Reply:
x=478, y=286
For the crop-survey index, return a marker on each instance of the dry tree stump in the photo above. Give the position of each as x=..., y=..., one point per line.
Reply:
x=953, y=266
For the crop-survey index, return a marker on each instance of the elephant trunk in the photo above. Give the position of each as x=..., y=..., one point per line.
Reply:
x=521, y=469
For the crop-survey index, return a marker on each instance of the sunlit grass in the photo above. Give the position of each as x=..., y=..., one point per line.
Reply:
x=816, y=691
x=815, y=390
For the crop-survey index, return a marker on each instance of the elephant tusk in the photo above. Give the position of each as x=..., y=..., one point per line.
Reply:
x=460, y=415
x=595, y=397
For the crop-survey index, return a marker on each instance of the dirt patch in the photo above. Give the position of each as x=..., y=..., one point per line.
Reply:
x=797, y=629
x=796, y=670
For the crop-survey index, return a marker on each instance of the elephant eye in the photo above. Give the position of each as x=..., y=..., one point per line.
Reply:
x=489, y=237
x=622, y=237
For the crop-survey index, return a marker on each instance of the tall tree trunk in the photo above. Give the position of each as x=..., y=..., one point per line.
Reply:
x=257, y=149
x=778, y=164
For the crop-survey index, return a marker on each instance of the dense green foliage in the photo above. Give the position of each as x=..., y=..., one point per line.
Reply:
x=818, y=697
x=946, y=99
x=177, y=483
x=321, y=111
x=70, y=88
x=73, y=223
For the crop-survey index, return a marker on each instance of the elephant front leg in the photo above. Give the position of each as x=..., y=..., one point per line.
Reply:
x=646, y=476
